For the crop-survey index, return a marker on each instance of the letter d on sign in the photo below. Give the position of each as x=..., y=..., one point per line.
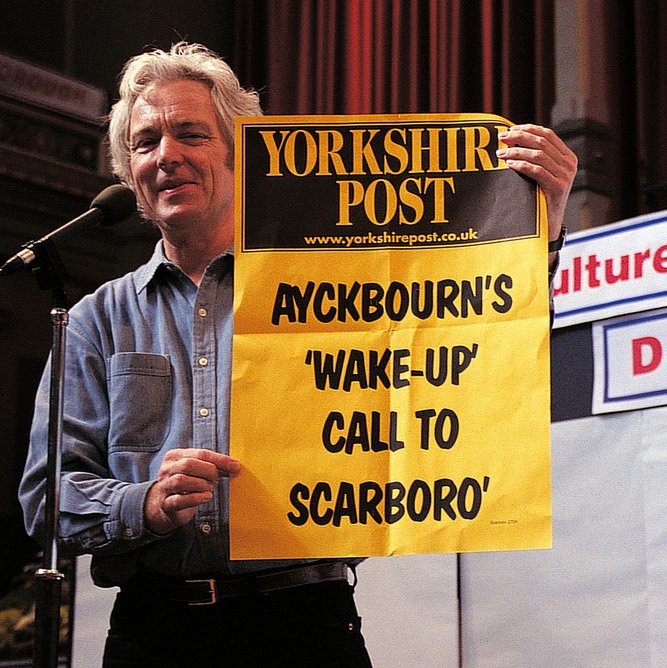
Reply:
x=646, y=354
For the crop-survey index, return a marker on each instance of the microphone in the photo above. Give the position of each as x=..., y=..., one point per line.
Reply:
x=113, y=204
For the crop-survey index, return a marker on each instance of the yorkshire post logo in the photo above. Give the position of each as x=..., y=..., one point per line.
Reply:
x=377, y=182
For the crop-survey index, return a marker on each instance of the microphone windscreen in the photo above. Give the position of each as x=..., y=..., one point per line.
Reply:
x=117, y=202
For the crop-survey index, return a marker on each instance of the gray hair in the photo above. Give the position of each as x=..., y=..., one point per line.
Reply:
x=183, y=61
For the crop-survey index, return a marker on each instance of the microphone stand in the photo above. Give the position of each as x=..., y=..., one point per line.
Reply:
x=50, y=274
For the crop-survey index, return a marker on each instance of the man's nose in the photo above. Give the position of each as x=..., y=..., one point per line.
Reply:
x=169, y=153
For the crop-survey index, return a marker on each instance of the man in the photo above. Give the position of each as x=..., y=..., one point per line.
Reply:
x=145, y=468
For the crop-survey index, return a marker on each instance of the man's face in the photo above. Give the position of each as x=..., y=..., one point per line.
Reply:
x=178, y=159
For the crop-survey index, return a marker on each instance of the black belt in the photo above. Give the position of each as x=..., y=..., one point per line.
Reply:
x=207, y=591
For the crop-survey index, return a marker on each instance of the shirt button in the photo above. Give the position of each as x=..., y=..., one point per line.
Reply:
x=203, y=361
x=203, y=312
x=127, y=532
x=203, y=412
x=206, y=528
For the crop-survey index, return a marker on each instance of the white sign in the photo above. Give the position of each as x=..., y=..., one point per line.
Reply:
x=612, y=270
x=630, y=354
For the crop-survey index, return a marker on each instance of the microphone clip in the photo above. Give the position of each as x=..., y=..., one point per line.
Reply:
x=48, y=268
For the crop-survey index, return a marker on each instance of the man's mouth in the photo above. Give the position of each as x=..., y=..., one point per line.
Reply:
x=173, y=185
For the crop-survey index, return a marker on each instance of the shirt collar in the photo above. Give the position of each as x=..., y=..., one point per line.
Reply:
x=147, y=273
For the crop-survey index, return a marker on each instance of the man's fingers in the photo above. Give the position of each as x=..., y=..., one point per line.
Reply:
x=542, y=144
x=186, y=479
x=199, y=461
x=539, y=153
x=175, y=503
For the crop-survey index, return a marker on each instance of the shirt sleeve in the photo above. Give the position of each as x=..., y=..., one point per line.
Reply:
x=99, y=513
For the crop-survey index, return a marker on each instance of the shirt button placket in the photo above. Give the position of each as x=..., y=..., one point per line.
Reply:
x=204, y=426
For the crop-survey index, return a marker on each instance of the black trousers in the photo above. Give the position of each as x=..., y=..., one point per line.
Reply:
x=314, y=626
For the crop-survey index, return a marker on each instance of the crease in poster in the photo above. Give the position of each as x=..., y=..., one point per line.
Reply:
x=390, y=382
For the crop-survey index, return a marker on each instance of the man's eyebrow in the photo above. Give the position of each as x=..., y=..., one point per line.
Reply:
x=143, y=129
x=149, y=128
x=189, y=125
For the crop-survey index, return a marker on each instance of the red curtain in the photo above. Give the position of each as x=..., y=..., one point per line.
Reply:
x=398, y=56
x=495, y=56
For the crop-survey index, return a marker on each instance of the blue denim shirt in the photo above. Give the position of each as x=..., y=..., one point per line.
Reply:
x=148, y=369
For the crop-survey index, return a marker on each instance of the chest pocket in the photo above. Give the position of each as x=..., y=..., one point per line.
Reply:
x=140, y=401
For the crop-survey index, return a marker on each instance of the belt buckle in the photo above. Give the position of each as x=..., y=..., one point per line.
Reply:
x=212, y=592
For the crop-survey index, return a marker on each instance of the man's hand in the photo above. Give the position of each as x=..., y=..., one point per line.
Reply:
x=540, y=154
x=186, y=479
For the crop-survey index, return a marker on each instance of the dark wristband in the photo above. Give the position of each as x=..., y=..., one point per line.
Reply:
x=557, y=244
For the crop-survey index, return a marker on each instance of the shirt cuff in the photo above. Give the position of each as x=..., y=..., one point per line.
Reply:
x=128, y=524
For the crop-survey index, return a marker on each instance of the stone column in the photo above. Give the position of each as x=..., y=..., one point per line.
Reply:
x=581, y=110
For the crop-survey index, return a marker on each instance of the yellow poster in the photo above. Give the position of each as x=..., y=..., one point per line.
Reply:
x=390, y=384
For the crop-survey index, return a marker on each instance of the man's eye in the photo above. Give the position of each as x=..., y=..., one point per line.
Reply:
x=194, y=136
x=142, y=144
